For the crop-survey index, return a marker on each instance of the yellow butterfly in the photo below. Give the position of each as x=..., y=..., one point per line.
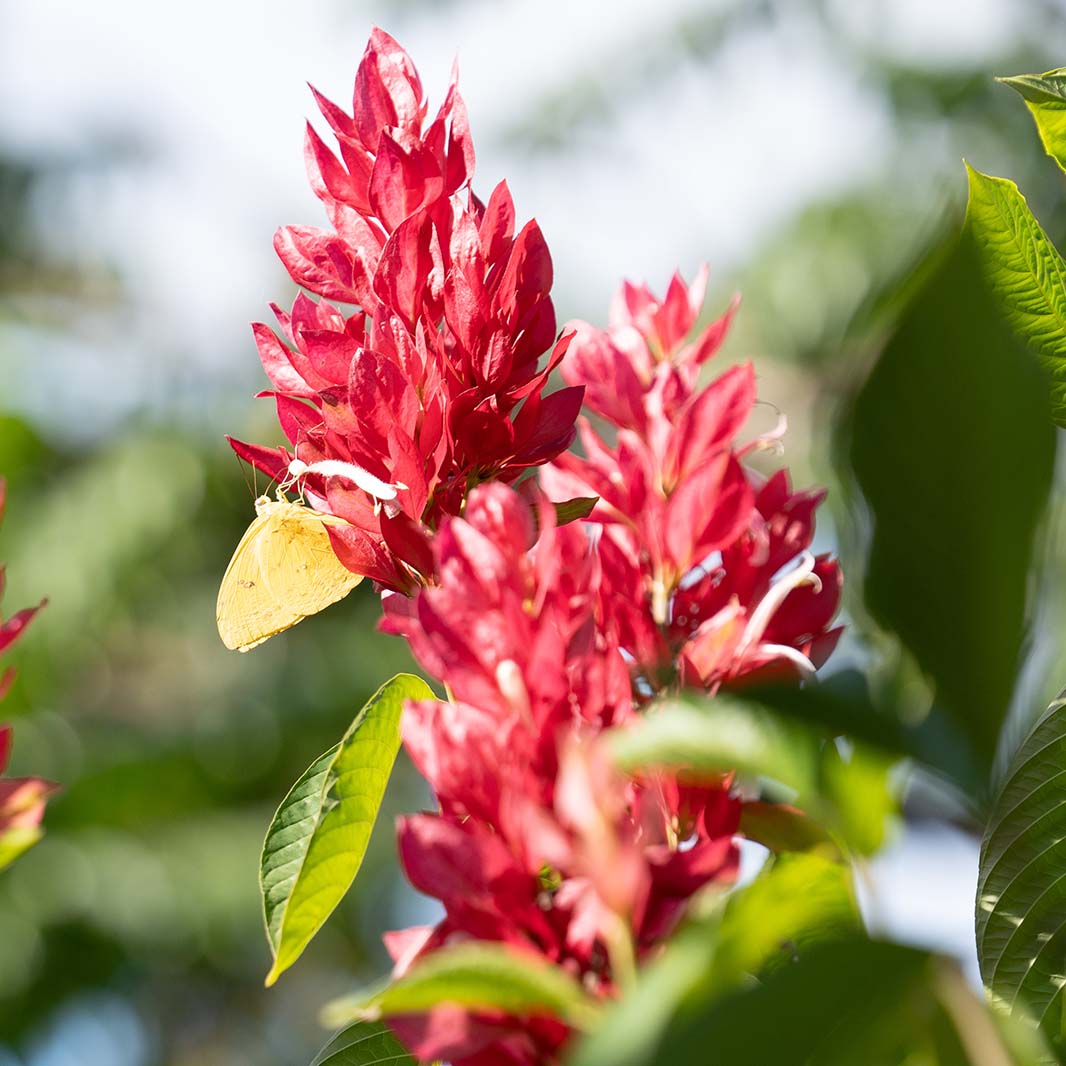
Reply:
x=284, y=569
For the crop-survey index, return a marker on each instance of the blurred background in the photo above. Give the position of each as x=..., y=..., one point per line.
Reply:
x=810, y=151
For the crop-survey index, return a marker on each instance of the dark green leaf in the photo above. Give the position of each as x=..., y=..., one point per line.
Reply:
x=575, y=509
x=840, y=1004
x=317, y=840
x=953, y=448
x=364, y=1044
x=1021, y=892
x=791, y=905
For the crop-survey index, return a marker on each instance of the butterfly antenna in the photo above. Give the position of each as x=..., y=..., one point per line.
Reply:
x=250, y=485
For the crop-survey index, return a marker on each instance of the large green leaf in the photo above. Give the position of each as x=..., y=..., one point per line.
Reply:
x=1021, y=892
x=952, y=445
x=792, y=904
x=481, y=975
x=317, y=840
x=1025, y=271
x=364, y=1044
x=1045, y=96
x=839, y=1004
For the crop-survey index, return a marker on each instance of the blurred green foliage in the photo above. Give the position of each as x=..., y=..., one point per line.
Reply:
x=133, y=932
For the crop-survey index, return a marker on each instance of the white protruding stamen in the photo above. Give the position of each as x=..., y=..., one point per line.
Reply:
x=380, y=490
x=768, y=605
x=794, y=655
x=772, y=439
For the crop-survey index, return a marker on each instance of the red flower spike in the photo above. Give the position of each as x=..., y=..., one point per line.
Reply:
x=420, y=386
x=538, y=843
x=674, y=495
x=545, y=636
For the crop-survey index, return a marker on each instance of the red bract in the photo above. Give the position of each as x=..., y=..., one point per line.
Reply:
x=434, y=385
x=538, y=843
x=22, y=800
x=707, y=568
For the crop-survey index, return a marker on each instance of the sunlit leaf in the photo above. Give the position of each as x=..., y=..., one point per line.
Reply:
x=1021, y=892
x=848, y=795
x=480, y=976
x=317, y=840
x=717, y=736
x=855, y=788
x=953, y=447
x=1025, y=271
x=364, y=1044
x=1045, y=96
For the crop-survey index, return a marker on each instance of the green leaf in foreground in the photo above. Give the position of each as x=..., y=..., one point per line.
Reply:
x=796, y=902
x=317, y=840
x=15, y=841
x=841, y=1003
x=1021, y=890
x=476, y=975
x=951, y=442
x=1025, y=271
x=364, y=1044
x=575, y=509
x=1045, y=96
x=850, y=797
x=717, y=736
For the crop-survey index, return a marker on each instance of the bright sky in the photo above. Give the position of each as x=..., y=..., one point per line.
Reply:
x=699, y=166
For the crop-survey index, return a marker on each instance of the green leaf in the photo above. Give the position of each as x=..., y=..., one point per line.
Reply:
x=952, y=446
x=1021, y=890
x=793, y=904
x=716, y=736
x=317, y=840
x=569, y=510
x=1026, y=273
x=575, y=509
x=14, y=842
x=779, y=827
x=840, y=1003
x=1045, y=96
x=364, y=1044
x=850, y=797
x=858, y=800
x=478, y=975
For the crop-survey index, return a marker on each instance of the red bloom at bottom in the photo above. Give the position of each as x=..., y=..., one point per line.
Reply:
x=539, y=843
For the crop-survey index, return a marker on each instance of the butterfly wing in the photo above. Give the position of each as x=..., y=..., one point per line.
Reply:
x=283, y=570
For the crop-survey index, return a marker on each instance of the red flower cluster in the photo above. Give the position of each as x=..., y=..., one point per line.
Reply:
x=694, y=571
x=707, y=567
x=22, y=799
x=699, y=575
x=538, y=843
x=434, y=384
